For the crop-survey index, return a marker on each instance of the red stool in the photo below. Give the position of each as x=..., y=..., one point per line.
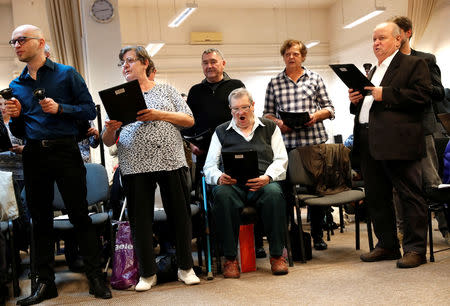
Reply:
x=247, y=248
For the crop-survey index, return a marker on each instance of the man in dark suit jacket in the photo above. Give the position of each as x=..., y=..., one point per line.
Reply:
x=430, y=164
x=389, y=137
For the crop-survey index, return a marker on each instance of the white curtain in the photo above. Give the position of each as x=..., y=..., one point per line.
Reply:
x=419, y=11
x=65, y=30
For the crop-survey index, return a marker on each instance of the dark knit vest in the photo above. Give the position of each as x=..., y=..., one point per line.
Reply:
x=261, y=142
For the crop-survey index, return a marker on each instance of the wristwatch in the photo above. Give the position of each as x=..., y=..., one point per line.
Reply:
x=60, y=109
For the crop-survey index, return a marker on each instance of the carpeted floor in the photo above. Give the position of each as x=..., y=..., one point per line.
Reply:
x=335, y=276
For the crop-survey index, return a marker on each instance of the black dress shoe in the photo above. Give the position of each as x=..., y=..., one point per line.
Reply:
x=99, y=289
x=378, y=254
x=44, y=291
x=260, y=253
x=320, y=245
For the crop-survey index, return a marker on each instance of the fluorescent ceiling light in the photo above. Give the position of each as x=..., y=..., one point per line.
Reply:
x=190, y=8
x=312, y=43
x=153, y=47
x=376, y=12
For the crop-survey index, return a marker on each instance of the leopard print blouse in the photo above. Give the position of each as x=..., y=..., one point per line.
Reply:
x=155, y=145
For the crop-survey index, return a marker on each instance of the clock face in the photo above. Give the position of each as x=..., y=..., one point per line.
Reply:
x=102, y=11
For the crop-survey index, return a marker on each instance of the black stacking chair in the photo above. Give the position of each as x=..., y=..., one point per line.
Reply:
x=302, y=182
x=6, y=227
x=438, y=202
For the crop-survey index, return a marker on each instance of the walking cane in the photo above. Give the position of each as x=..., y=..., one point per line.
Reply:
x=208, y=248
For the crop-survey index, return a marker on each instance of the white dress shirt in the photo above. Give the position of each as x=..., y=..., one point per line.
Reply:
x=276, y=170
x=377, y=77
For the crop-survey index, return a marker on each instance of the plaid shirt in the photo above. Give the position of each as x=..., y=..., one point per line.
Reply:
x=307, y=95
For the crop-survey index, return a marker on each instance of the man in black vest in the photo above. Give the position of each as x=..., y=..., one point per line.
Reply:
x=243, y=133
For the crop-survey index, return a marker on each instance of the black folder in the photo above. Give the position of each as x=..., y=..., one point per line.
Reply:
x=122, y=102
x=294, y=120
x=201, y=140
x=241, y=166
x=352, y=77
x=5, y=141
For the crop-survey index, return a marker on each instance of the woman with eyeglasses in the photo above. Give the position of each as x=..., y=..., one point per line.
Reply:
x=150, y=151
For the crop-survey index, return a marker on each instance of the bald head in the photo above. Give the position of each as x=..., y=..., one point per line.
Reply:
x=386, y=40
x=391, y=26
x=30, y=30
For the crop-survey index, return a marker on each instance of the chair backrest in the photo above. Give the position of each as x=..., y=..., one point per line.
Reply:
x=297, y=173
x=333, y=160
x=96, y=183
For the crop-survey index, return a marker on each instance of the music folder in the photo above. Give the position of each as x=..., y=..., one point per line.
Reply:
x=241, y=166
x=122, y=102
x=352, y=77
x=200, y=140
x=294, y=120
x=5, y=141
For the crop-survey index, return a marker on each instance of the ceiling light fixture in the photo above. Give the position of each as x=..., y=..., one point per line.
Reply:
x=154, y=46
x=377, y=11
x=312, y=43
x=188, y=10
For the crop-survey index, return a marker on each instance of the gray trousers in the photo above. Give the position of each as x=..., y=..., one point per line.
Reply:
x=430, y=177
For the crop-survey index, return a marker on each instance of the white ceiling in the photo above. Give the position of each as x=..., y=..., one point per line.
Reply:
x=231, y=3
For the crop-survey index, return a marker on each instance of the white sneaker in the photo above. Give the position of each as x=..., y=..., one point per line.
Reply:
x=188, y=277
x=145, y=283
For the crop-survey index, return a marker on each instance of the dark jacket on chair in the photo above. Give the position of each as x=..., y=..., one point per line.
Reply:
x=329, y=165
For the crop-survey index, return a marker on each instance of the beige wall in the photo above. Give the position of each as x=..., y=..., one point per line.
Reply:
x=251, y=40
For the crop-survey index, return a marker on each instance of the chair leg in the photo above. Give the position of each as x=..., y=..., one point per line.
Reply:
x=199, y=244
x=288, y=246
x=300, y=233
x=369, y=233
x=341, y=218
x=15, y=277
x=329, y=221
x=430, y=234
x=357, y=233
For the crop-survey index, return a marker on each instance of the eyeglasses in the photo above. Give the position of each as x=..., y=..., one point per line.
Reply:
x=21, y=40
x=242, y=108
x=128, y=60
x=294, y=54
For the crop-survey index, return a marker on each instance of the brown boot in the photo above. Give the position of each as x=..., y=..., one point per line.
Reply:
x=411, y=260
x=278, y=265
x=231, y=269
x=378, y=254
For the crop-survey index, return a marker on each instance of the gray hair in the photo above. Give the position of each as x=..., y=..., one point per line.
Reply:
x=142, y=55
x=238, y=93
x=47, y=50
x=211, y=50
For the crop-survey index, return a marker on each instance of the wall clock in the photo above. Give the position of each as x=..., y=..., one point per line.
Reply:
x=102, y=11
